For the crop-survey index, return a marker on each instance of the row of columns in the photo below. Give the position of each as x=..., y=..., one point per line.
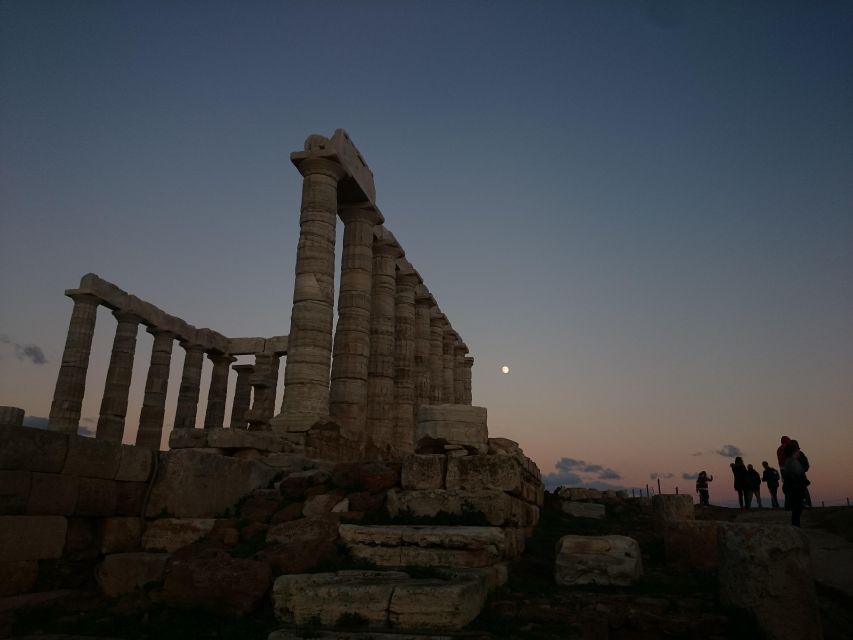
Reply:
x=66, y=408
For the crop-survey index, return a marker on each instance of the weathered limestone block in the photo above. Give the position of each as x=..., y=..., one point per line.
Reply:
x=189, y=438
x=497, y=507
x=170, y=534
x=130, y=497
x=92, y=458
x=667, y=508
x=242, y=439
x=436, y=604
x=135, y=464
x=191, y=484
x=53, y=494
x=11, y=417
x=14, y=491
x=118, y=535
x=32, y=537
x=18, y=577
x=96, y=497
x=766, y=570
x=245, y=346
x=28, y=449
x=424, y=471
x=123, y=573
x=584, y=509
x=484, y=472
x=456, y=424
x=692, y=545
x=603, y=560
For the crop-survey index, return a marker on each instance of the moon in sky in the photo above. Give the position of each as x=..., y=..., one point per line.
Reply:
x=504, y=369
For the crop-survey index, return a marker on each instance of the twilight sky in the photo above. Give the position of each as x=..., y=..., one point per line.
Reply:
x=644, y=209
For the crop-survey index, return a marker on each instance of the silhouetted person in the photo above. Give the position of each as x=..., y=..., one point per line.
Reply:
x=807, y=497
x=780, y=451
x=771, y=478
x=739, y=472
x=753, y=486
x=794, y=482
x=702, y=481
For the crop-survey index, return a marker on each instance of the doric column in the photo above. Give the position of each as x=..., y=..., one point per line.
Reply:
x=71, y=381
x=242, y=395
x=187, y=409
x=466, y=372
x=119, y=374
x=214, y=417
x=306, y=373
x=380, y=371
x=449, y=338
x=156, y=386
x=404, y=357
x=423, y=302
x=436, y=360
x=459, y=351
x=348, y=393
x=264, y=381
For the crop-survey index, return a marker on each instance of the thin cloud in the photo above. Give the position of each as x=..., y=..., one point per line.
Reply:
x=729, y=451
x=36, y=422
x=662, y=475
x=86, y=431
x=571, y=472
x=29, y=351
x=609, y=474
x=689, y=476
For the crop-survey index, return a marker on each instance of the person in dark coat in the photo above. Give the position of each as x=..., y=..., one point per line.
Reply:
x=702, y=481
x=741, y=483
x=753, y=486
x=770, y=477
x=807, y=497
x=794, y=482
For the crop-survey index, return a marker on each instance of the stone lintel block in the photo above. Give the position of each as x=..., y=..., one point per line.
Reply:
x=171, y=534
x=135, y=464
x=452, y=413
x=18, y=577
x=276, y=345
x=498, y=508
x=53, y=494
x=484, y=472
x=584, y=509
x=32, y=537
x=425, y=471
x=118, y=535
x=188, y=438
x=11, y=416
x=212, y=340
x=96, y=497
x=246, y=346
x=29, y=449
x=14, y=491
x=92, y=458
x=603, y=560
x=123, y=573
x=244, y=439
x=447, y=537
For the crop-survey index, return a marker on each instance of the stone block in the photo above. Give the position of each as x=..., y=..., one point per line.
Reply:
x=436, y=604
x=53, y=494
x=320, y=504
x=188, y=438
x=244, y=439
x=424, y=471
x=276, y=344
x=14, y=491
x=82, y=536
x=198, y=485
x=29, y=449
x=484, y=472
x=18, y=577
x=494, y=506
x=602, y=560
x=130, y=497
x=766, y=571
x=11, y=416
x=455, y=424
x=667, y=508
x=583, y=509
x=171, y=534
x=245, y=346
x=119, y=535
x=32, y=537
x=123, y=573
x=96, y=497
x=135, y=464
x=692, y=545
x=92, y=458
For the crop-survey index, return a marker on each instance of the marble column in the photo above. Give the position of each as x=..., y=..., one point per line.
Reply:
x=188, y=392
x=380, y=370
x=459, y=351
x=423, y=302
x=466, y=378
x=264, y=381
x=404, y=358
x=71, y=381
x=348, y=392
x=119, y=374
x=214, y=417
x=449, y=339
x=306, y=373
x=156, y=387
x=242, y=396
x=436, y=360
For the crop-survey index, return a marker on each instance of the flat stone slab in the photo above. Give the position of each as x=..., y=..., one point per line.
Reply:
x=584, y=509
x=495, y=506
x=171, y=534
x=380, y=598
x=603, y=560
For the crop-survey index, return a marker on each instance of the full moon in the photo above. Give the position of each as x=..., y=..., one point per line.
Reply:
x=504, y=369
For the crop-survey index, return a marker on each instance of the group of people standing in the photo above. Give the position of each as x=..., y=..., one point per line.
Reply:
x=793, y=465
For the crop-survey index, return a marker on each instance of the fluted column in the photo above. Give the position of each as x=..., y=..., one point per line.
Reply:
x=380, y=380
x=436, y=359
x=242, y=396
x=264, y=381
x=214, y=417
x=71, y=381
x=119, y=375
x=348, y=393
x=423, y=302
x=306, y=373
x=449, y=338
x=404, y=358
x=459, y=351
x=188, y=392
x=156, y=387
x=466, y=378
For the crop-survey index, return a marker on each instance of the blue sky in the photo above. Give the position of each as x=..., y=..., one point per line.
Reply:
x=643, y=208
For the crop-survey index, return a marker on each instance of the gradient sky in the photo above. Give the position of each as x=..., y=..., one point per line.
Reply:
x=644, y=209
